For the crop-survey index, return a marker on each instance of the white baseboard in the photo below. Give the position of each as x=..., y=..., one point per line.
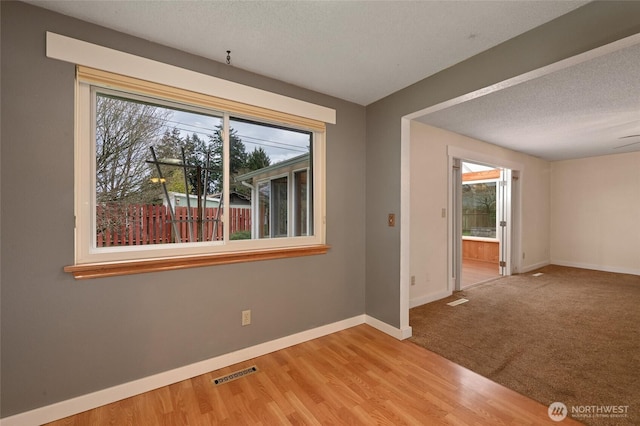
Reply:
x=533, y=267
x=398, y=333
x=82, y=403
x=428, y=298
x=604, y=268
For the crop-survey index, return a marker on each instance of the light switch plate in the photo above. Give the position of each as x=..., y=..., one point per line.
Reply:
x=392, y=219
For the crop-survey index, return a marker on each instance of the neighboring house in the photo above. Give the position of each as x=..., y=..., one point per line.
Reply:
x=179, y=199
x=278, y=192
x=239, y=218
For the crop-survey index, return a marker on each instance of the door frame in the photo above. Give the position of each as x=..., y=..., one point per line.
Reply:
x=512, y=248
x=504, y=213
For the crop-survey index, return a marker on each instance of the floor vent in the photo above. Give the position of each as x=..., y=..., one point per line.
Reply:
x=537, y=274
x=235, y=375
x=458, y=302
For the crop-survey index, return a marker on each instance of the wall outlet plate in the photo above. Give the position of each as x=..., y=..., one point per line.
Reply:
x=246, y=317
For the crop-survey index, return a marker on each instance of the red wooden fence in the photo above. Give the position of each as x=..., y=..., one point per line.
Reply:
x=151, y=224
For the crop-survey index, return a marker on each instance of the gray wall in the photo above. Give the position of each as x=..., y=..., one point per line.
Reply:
x=586, y=28
x=63, y=338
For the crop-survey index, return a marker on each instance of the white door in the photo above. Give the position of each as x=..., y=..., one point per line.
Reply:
x=504, y=221
x=456, y=225
x=503, y=210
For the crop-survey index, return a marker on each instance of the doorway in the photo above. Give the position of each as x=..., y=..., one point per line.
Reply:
x=482, y=221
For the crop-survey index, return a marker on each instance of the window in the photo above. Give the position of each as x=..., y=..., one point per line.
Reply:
x=158, y=172
x=479, y=209
x=164, y=173
x=273, y=176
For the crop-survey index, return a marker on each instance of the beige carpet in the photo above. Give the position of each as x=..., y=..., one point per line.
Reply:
x=570, y=335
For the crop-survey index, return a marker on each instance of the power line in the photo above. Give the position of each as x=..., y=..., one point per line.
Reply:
x=272, y=141
x=238, y=134
x=251, y=139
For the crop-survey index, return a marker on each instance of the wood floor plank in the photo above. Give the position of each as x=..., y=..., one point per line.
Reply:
x=274, y=395
x=475, y=271
x=302, y=410
x=201, y=388
x=358, y=376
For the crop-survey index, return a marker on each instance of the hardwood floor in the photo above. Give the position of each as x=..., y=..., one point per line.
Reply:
x=475, y=271
x=358, y=376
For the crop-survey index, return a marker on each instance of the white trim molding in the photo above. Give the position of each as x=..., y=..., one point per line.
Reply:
x=86, y=402
x=603, y=268
x=405, y=224
x=99, y=57
x=481, y=157
x=428, y=298
x=533, y=267
x=102, y=397
x=398, y=333
x=531, y=75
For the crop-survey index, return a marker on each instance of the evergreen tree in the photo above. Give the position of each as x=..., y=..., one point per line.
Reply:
x=198, y=152
x=168, y=151
x=237, y=157
x=201, y=153
x=258, y=159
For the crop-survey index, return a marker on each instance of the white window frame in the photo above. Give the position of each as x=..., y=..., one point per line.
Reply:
x=134, y=67
x=87, y=252
x=270, y=180
x=294, y=198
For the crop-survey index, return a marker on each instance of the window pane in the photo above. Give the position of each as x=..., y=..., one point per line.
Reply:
x=158, y=173
x=300, y=208
x=279, y=189
x=264, y=221
x=263, y=161
x=479, y=209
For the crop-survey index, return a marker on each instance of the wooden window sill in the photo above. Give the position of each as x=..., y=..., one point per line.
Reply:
x=111, y=269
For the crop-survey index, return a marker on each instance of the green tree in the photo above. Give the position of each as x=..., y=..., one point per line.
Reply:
x=258, y=159
x=208, y=155
x=198, y=153
x=169, y=151
x=169, y=146
x=203, y=154
x=237, y=157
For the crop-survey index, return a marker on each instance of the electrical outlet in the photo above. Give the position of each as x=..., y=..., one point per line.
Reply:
x=413, y=280
x=246, y=317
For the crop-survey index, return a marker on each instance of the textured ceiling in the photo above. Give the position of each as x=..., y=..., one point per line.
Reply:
x=363, y=51
x=360, y=51
x=588, y=109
